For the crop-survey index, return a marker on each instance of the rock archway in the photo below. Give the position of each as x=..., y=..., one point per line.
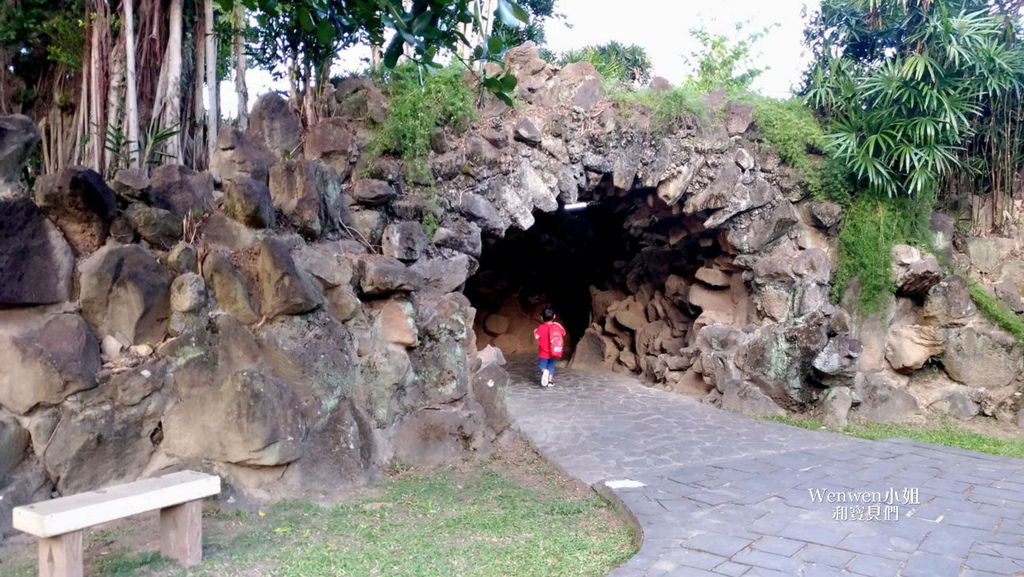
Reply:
x=699, y=262
x=632, y=278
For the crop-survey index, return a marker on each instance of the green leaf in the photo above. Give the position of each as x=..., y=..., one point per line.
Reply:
x=508, y=82
x=393, y=53
x=420, y=24
x=324, y=32
x=495, y=45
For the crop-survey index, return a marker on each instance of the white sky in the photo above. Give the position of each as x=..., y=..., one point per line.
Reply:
x=661, y=27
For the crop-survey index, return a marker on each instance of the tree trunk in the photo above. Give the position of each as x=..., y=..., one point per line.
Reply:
x=167, y=105
x=115, y=110
x=99, y=47
x=131, y=97
x=199, y=123
x=213, y=111
x=241, y=65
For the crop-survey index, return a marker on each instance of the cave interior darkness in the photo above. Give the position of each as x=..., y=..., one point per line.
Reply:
x=621, y=242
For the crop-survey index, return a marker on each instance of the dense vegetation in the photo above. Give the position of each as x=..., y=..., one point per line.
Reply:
x=921, y=105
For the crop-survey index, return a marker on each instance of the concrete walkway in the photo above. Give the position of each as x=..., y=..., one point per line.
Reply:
x=720, y=494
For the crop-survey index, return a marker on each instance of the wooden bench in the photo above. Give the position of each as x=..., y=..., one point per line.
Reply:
x=58, y=523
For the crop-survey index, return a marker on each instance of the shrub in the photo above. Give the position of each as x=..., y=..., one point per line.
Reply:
x=421, y=100
x=872, y=224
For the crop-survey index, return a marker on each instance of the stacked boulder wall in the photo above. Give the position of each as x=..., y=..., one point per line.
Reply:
x=275, y=350
x=308, y=326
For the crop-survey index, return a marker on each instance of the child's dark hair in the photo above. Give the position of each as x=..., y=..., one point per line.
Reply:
x=548, y=314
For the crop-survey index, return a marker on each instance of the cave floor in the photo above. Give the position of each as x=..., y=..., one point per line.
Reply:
x=716, y=493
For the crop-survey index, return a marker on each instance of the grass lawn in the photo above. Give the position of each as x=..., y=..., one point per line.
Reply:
x=511, y=515
x=945, y=433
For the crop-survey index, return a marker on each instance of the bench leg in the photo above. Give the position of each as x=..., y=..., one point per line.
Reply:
x=181, y=533
x=61, y=556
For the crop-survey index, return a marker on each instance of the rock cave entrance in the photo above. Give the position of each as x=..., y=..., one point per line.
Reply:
x=628, y=275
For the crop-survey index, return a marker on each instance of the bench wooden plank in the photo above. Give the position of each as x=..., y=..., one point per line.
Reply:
x=76, y=512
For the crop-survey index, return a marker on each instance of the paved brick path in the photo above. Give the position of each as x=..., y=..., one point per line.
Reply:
x=720, y=494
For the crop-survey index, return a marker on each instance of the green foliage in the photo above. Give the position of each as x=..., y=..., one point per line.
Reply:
x=872, y=224
x=66, y=36
x=945, y=434
x=149, y=148
x=420, y=101
x=430, y=225
x=128, y=564
x=997, y=311
x=665, y=106
x=309, y=33
x=36, y=35
x=794, y=131
x=540, y=11
x=905, y=83
x=619, y=63
x=722, y=62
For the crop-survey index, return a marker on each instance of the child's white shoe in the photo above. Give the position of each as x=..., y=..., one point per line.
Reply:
x=544, y=378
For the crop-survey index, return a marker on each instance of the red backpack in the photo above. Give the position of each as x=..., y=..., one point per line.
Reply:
x=556, y=336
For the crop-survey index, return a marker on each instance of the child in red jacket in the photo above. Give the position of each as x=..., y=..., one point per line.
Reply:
x=550, y=337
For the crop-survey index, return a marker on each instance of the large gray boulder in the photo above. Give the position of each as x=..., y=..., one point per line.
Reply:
x=160, y=228
x=266, y=425
x=36, y=262
x=124, y=290
x=979, y=355
x=286, y=290
x=239, y=157
x=13, y=444
x=18, y=138
x=404, y=240
x=430, y=437
x=746, y=398
x=382, y=275
x=882, y=400
x=45, y=360
x=316, y=356
x=308, y=193
x=275, y=125
x=228, y=287
x=181, y=191
x=248, y=201
x=89, y=436
x=331, y=142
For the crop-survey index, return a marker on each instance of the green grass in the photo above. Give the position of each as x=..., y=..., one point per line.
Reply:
x=997, y=311
x=665, y=106
x=471, y=520
x=945, y=434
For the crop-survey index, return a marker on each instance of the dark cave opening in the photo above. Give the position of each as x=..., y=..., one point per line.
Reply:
x=625, y=252
x=554, y=262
